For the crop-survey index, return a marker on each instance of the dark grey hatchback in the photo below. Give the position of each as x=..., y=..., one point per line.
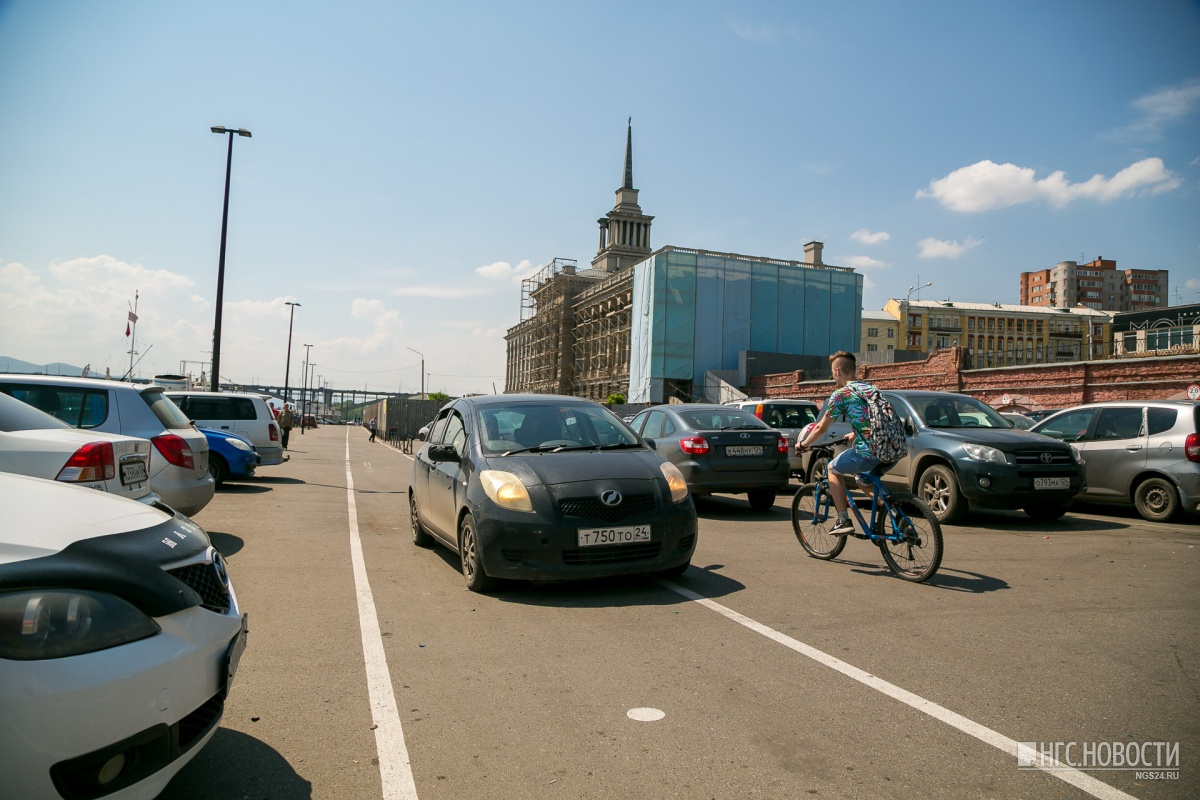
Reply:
x=543, y=487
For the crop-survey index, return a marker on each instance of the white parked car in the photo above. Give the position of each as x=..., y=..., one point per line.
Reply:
x=119, y=636
x=179, y=458
x=36, y=444
x=243, y=413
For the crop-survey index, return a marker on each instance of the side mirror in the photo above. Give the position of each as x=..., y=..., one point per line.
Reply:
x=443, y=453
x=649, y=443
x=909, y=428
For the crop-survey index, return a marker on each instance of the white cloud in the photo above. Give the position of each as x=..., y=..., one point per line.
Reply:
x=755, y=33
x=985, y=186
x=1157, y=110
x=1193, y=283
x=502, y=270
x=867, y=237
x=864, y=262
x=939, y=248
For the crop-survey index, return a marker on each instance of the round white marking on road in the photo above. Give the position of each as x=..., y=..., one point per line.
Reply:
x=646, y=714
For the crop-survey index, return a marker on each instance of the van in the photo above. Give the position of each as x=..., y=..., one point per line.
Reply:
x=179, y=457
x=243, y=413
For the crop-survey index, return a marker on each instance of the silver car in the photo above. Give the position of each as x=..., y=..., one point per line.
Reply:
x=1144, y=452
x=790, y=417
x=179, y=456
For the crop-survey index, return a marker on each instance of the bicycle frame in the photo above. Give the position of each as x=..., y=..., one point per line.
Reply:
x=880, y=503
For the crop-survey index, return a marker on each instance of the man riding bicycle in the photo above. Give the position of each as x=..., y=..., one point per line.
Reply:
x=847, y=402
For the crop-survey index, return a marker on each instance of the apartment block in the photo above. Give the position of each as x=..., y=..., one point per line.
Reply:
x=1097, y=285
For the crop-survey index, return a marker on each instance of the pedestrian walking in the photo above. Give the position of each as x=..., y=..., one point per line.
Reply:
x=373, y=428
x=286, y=421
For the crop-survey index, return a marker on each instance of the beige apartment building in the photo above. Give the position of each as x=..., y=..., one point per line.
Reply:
x=880, y=332
x=996, y=334
x=1098, y=285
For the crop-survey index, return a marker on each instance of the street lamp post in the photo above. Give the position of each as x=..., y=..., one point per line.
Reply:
x=312, y=370
x=422, y=355
x=303, y=383
x=912, y=289
x=287, y=370
x=216, y=358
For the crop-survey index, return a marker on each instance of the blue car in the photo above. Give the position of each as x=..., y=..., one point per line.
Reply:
x=229, y=455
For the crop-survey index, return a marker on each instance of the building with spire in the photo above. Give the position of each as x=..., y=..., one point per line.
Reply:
x=673, y=323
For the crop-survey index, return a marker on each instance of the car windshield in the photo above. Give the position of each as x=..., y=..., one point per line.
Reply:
x=958, y=412
x=550, y=425
x=17, y=416
x=719, y=419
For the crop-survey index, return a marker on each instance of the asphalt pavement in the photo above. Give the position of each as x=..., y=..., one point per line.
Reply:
x=760, y=673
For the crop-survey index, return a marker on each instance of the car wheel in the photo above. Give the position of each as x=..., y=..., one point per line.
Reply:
x=939, y=489
x=1156, y=499
x=217, y=468
x=817, y=469
x=472, y=559
x=1045, y=512
x=761, y=500
x=419, y=535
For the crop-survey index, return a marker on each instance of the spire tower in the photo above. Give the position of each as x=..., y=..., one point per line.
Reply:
x=624, y=231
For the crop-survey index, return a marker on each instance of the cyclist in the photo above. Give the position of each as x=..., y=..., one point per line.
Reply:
x=850, y=405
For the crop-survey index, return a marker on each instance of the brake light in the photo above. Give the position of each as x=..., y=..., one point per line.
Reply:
x=92, y=462
x=1191, y=447
x=782, y=446
x=274, y=431
x=175, y=450
x=758, y=410
x=694, y=445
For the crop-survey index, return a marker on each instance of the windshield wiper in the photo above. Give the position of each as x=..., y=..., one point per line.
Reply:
x=535, y=449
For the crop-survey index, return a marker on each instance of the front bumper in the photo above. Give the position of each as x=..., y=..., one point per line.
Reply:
x=529, y=546
x=990, y=485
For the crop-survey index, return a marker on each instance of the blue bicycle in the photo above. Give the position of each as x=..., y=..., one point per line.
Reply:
x=904, y=528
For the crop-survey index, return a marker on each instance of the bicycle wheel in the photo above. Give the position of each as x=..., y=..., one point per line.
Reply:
x=919, y=555
x=812, y=519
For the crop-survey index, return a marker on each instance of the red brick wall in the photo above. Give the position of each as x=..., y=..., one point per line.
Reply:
x=1031, y=387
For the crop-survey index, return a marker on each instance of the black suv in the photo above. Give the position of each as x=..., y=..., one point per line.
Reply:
x=962, y=453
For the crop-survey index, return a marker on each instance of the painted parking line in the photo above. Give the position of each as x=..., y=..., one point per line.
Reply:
x=1076, y=778
x=395, y=771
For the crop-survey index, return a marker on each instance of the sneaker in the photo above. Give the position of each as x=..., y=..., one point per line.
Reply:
x=842, y=528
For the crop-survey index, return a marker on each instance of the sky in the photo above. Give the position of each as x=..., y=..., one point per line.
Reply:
x=411, y=163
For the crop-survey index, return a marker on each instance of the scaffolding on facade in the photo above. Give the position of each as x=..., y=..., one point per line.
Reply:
x=601, y=316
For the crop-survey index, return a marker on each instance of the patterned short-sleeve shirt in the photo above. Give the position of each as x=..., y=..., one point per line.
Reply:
x=849, y=404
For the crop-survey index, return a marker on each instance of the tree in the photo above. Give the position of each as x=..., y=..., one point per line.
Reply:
x=439, y=397
x=615, y=400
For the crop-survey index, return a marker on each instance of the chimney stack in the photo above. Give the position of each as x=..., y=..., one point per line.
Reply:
x=812, y=253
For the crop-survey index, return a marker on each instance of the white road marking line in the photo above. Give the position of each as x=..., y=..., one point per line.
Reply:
x=1076, y=778
x=395, y=770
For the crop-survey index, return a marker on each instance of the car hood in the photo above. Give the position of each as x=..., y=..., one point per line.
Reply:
x=583, y=465
x=53, y=535
x=1004, y=438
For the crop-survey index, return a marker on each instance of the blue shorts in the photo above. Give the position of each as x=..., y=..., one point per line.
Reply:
x=851, y=462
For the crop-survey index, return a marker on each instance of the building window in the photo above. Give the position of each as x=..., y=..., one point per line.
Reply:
x=991, y=324
x=1039, y=329
x=1020, y=325
x=871, y=348
x=872, y=331
x=970, y=323
x=891, y=335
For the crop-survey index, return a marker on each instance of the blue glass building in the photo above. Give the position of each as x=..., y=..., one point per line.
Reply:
x=694, y=311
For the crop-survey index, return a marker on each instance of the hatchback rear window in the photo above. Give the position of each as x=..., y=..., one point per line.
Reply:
x=719, y=420
x=167, y=412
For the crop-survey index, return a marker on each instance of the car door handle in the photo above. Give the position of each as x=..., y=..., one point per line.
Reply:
x=1133, y=448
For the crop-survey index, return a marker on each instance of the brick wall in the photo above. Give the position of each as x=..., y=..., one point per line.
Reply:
x=1031, y=387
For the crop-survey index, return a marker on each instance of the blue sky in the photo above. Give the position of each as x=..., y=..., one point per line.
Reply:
x=411, y=162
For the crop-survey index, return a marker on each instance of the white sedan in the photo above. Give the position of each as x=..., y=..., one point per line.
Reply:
x=36, y=444
x=119, y=636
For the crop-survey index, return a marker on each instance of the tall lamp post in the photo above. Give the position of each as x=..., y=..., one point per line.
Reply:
x=312, y=371
x=422, y=355
x=287, y=370
x=303, y=383
x=912, y=289
x=216, y=359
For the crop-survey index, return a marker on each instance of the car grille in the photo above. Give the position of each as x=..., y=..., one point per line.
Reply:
x=193, y=727
x=611, y=554
x=1033, y=458
x=206, y=582
x=592, y=508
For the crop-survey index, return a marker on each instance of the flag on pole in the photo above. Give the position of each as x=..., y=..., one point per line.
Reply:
x=86, y=370
x=132, y=317
x=126, y=328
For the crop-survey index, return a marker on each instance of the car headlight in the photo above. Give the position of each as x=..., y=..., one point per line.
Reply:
x=675, y=481
x=981, y=452
x=240, y=445
x=38, y=624
x=1077, y=453
x=505, y=490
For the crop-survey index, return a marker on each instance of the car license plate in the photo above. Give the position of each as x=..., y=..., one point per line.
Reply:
x=743, y=450
x=133, y=472
x=1051, y=483
x=623, y=535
